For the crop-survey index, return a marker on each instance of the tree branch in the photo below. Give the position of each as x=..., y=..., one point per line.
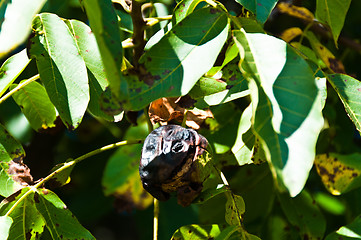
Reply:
x=138, y=31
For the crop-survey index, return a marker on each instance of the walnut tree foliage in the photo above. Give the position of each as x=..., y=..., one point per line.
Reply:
x=273, y=86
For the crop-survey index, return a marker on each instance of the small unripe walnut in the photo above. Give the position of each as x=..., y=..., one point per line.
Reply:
x=173, y=161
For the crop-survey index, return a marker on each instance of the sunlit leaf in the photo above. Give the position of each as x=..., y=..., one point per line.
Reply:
x=329, y=203
x=213, y=231
x=11, y=69
x=60, y=222
x=183, y=9
x=289, y=34
x=104, y=24
x=332, y=13
x=261, y=8
x=36, y=106
x=15, y=20
x=351, y=231
x=348, y=89
x=89, y=50
x=303, y=213
x=210, y=193
x=296, y=11
x=28, y=222
x=5, y=224
x=10, y=150
x=181, y=57
x=287, y=107
x=339, y=173
x=61, y=68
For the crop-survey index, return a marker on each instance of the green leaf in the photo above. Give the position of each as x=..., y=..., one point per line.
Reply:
x=210, y=193
x=36, y=106
x=235, y=207
x=339, y=173
x=60, y=222
x=89, y=50
x=10, y=151
x=244, y=144
x=61, y=68
x=348, y=89
x=231, y=53
x=333, y=14
x=183, y=9
x=194, y=231
x=11, y=69
x=287, y=106
x=15, y=20
x=181, y=57
x=28, y=223
x=261, y=8
x=303, y=213
x=61, y=177
x=5, y=224
x=121, y=174
x=104, y=23
x=351, y=231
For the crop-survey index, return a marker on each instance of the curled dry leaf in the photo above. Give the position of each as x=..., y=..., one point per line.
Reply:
x=164, y=110
x=20, y=172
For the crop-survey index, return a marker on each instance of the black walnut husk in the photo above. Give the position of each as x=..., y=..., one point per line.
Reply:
x=174, y=161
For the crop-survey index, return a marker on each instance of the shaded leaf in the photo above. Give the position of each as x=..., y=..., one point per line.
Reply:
x=303, y=213
x=104, y=23
x=28, y=224
x=60, y=222
x=231, y=53
x=349, y=232
x=181, y=57
x=261, y=8
x=89, y=51
x=287, y=107
x=234, y=86
x=61, y=68
x=11, y=69
x=339, y=173
x=121, y=175
x=36, y=105
x=15, y=20
x=333, y=14
x=11, y=151
x=5, y=224
x=348, y=90
x=324, y=54
x=62, y=173
x=235, y=208
x=213, y=231
x=210, y=193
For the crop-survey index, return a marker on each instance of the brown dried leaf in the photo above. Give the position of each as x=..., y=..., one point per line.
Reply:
x=20, y=172
x=164, y=110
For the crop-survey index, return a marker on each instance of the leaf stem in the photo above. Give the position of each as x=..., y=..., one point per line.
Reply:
x=18, y=87
x=155, y=219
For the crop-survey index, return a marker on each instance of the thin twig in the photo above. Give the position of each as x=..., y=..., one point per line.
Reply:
x=155, y=219
x=18, y=87
x=138, y=31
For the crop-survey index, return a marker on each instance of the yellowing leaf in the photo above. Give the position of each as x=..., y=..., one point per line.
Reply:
x=289, y=34
x=294, y=11
x=339, y=173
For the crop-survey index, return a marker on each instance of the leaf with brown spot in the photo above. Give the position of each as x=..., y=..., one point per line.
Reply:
x=59, y=220
x=28, y=223
x=11, y=152
x=235, y=208
x=324, y=54
x=295, y=11
x=165, y=110
x=339, y=173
